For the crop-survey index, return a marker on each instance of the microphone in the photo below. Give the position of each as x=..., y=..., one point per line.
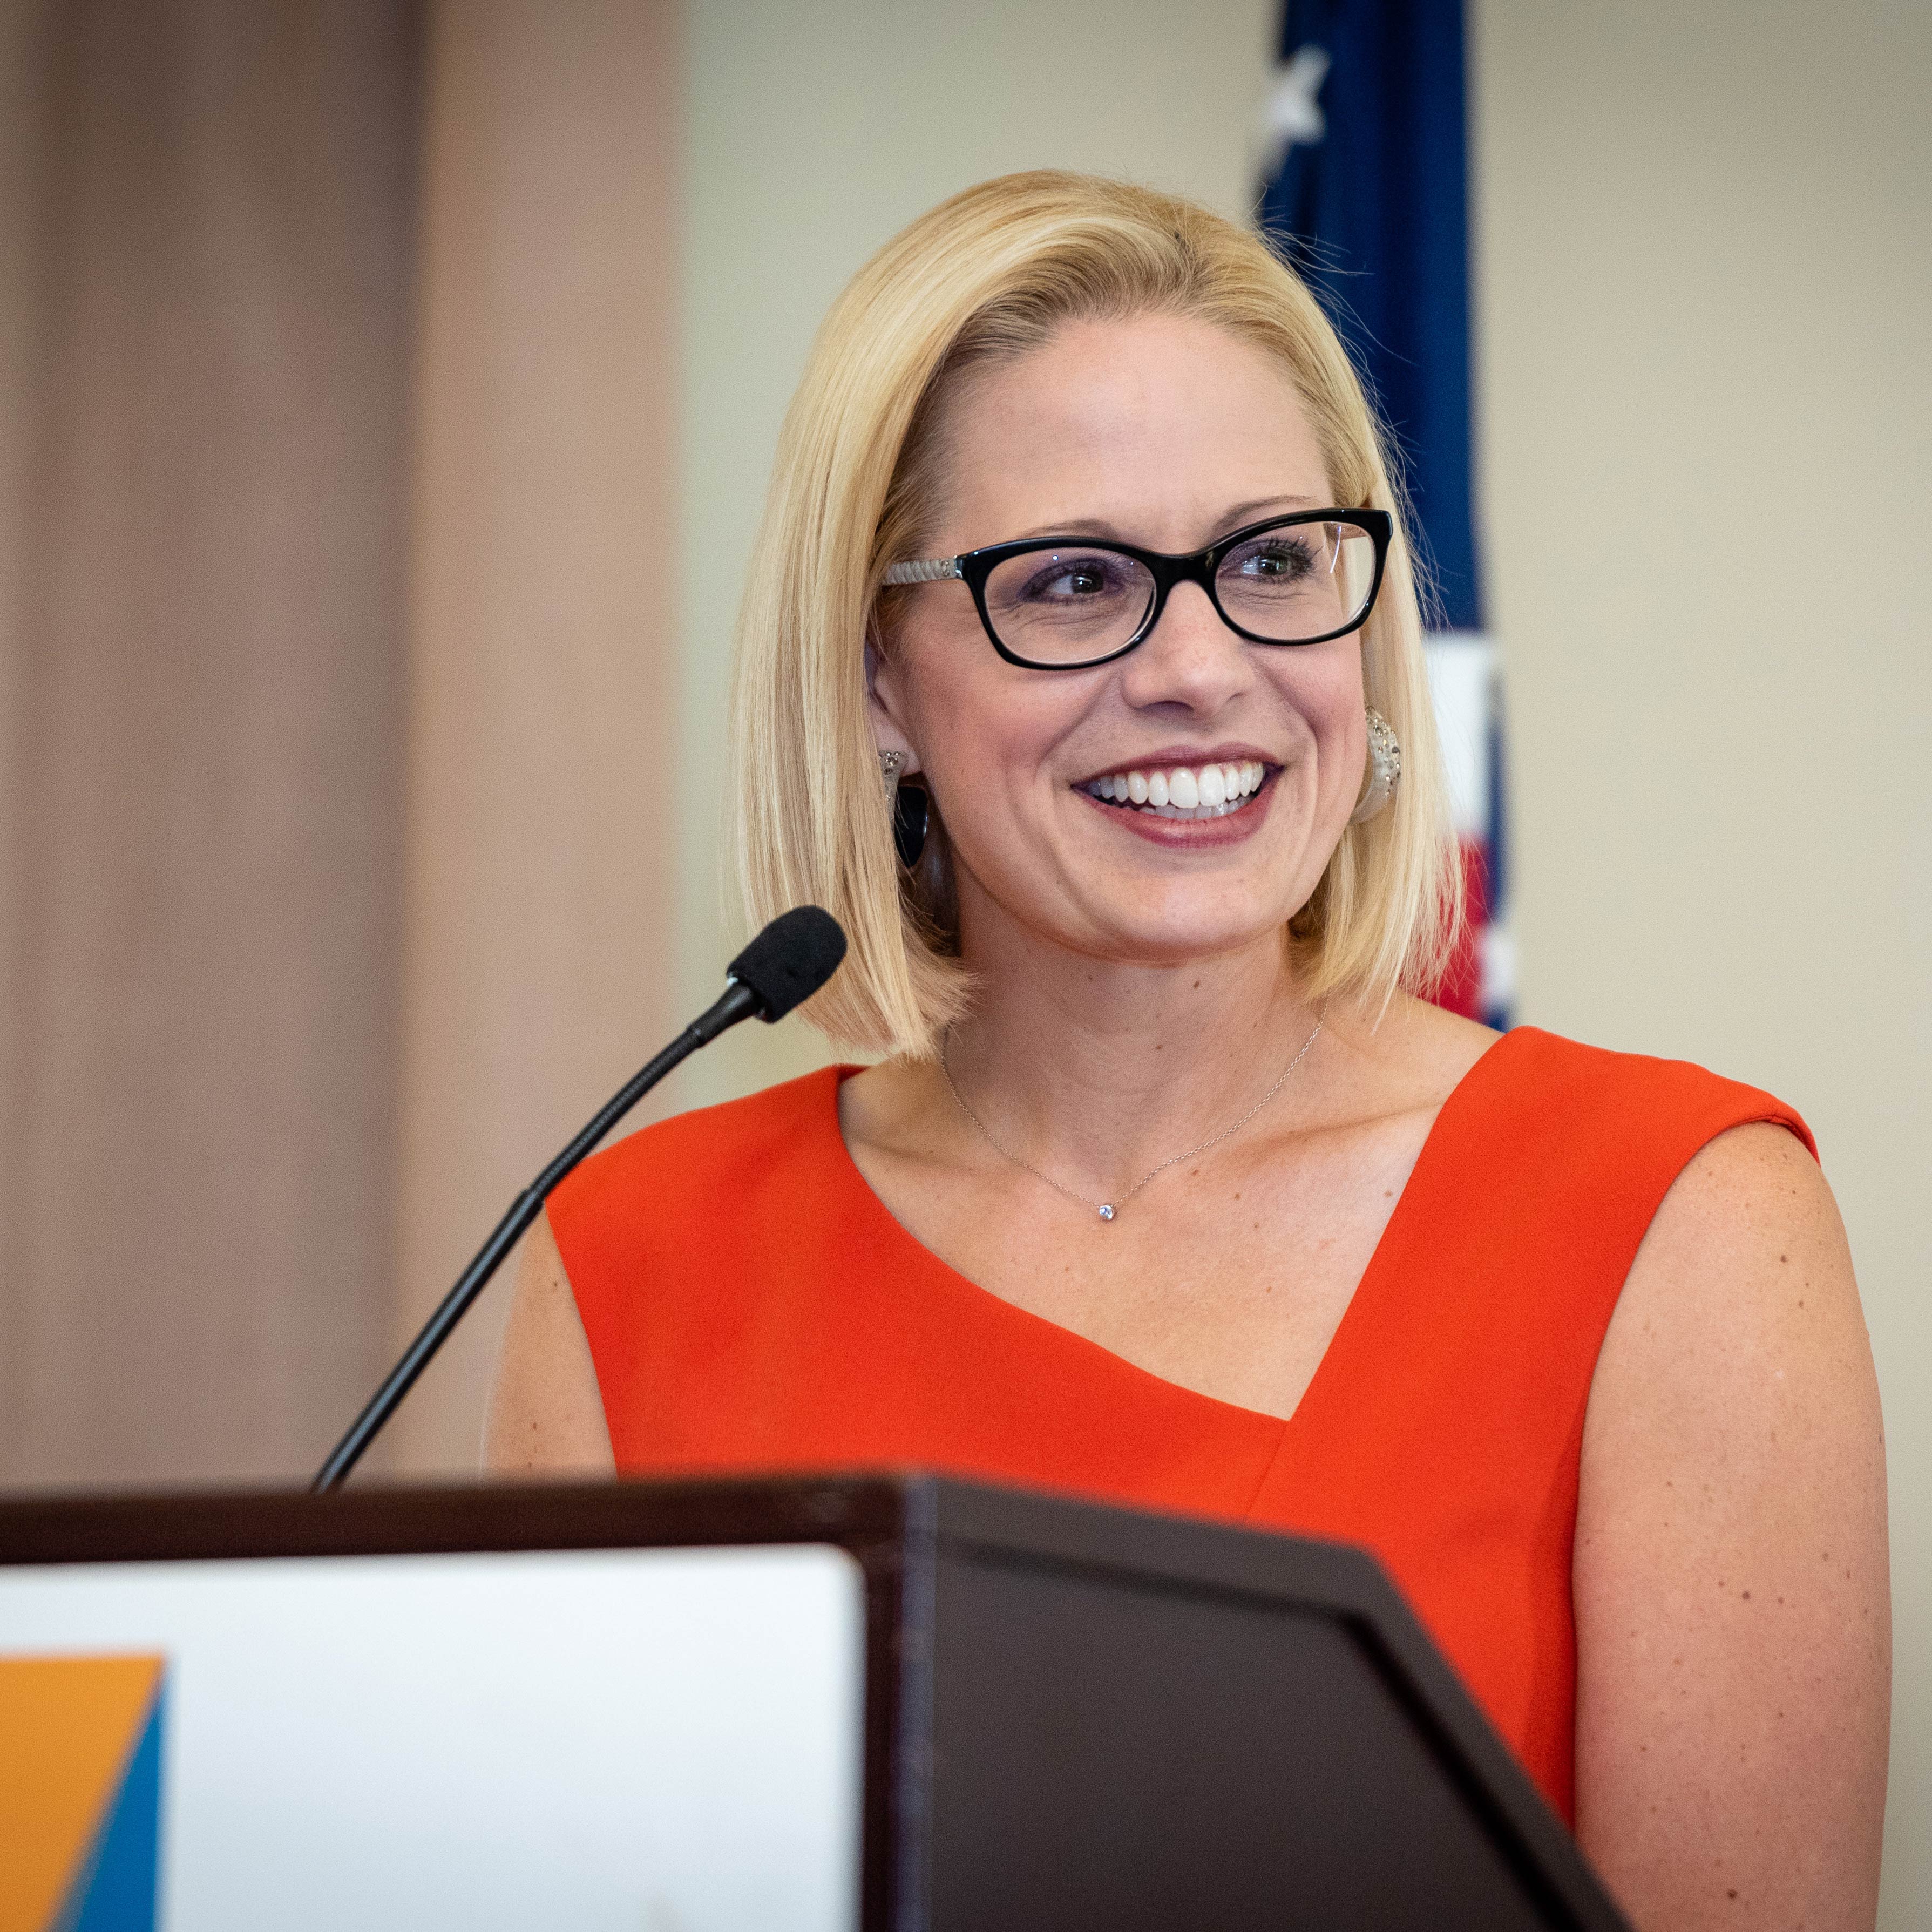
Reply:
x=788, y=962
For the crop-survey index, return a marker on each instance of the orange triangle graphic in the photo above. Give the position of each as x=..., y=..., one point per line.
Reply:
x=67, y=1725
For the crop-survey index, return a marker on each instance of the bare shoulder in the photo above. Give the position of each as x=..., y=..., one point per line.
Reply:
x=1407, y=1058
x=889, y=1109
x=1741, y=1294
x=546, y=1414
x=1730, y=1566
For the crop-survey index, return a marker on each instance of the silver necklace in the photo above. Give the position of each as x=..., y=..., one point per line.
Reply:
x=1107, y=1209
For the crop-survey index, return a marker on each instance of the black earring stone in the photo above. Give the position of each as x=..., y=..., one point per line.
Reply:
x=911, y=812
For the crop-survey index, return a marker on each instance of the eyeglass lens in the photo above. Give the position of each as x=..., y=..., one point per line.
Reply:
x=1287, y=585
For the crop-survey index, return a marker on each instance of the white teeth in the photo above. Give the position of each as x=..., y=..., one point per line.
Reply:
x=1210, y=791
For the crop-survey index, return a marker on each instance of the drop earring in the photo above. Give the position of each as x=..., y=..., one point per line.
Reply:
x=1385, y=769
x=911, y=809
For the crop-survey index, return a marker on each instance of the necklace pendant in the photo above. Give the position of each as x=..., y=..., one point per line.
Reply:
x=1106, y=1210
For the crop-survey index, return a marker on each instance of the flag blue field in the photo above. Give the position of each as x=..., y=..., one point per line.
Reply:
x=1366, y=188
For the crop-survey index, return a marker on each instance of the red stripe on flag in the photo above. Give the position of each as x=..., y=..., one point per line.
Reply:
x=1460, y=988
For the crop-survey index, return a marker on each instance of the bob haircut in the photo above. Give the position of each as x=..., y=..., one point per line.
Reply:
x=984, y=278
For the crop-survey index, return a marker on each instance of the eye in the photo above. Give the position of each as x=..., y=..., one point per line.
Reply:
x=1273, y=560
x=1057, y=578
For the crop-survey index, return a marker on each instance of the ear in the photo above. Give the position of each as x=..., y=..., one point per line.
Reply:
x=885, y=703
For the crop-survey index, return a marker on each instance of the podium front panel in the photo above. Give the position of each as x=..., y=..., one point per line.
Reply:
x=1236, y=1761
x=642, y=1739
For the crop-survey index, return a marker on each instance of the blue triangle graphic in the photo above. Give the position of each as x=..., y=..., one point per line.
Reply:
x=116, y=1888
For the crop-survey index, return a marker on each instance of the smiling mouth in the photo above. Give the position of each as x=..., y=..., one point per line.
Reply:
x=1182, y=791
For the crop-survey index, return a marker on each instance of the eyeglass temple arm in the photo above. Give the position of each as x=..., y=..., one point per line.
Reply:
x=929, y=571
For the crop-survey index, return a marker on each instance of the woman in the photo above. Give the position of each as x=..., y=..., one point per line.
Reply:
x=1080, y=678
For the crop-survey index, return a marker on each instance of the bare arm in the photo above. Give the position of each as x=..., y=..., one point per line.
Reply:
x=546, y=1413
x=1732, y=1605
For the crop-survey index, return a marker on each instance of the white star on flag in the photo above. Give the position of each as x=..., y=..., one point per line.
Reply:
x=1292, y=113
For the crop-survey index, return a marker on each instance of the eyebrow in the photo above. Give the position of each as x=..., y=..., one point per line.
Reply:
x=1231, y=518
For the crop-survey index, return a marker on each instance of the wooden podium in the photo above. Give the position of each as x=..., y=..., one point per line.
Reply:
x=986, y=1710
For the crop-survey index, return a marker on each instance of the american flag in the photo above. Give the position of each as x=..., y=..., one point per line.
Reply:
x=1365, y=181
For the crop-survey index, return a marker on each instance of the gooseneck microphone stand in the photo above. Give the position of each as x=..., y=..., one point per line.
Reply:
x=789, y=961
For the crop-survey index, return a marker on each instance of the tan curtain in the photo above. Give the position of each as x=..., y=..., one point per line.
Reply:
x=545, y=812
x=337, y=819
x=208, y=234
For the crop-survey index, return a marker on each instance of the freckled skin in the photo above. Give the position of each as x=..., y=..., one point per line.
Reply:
x=1763, y=1728
x=545, y=1416
x=1733, y=1681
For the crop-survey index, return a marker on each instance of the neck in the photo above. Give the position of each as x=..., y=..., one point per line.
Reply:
x=1103, y=1069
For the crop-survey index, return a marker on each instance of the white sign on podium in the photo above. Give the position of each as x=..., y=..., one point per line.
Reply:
x=652, y=1740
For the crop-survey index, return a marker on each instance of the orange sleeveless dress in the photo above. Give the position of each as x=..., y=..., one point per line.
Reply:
x=751, y=1306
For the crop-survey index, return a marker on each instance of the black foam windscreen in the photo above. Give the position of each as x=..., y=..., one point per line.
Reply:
x=790, y=959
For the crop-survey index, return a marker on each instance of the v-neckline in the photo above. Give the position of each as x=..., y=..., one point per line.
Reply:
x=1351, y=1320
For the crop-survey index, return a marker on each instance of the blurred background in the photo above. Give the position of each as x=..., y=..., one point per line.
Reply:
x=387, y=391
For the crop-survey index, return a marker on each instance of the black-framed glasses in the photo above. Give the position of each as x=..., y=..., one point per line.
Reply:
x=1069, y=603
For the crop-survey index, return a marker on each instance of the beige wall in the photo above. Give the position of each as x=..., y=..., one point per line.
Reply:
x=1706, y=235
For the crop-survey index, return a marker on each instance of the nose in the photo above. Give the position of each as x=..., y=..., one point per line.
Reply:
x=1190, y=661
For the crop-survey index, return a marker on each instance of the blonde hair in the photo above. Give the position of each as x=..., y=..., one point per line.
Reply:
x=986, y=276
